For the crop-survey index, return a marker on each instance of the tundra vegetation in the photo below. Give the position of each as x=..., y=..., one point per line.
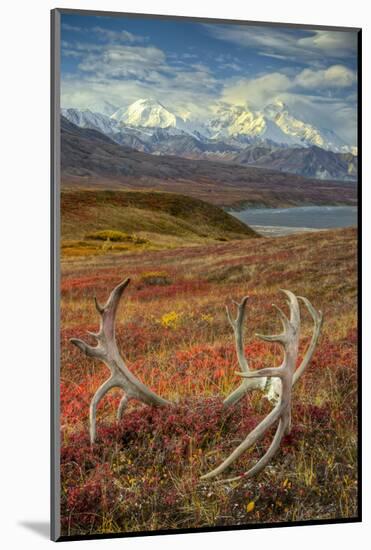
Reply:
x=186, y=263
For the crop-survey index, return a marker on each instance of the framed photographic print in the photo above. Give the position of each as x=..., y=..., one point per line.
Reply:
x=203, y=170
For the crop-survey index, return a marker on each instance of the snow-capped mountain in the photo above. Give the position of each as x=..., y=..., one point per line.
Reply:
x=147, y=113
x=89, y=119
x=235, y=121
x=234, y=133
x=104, y=107
x=274, y=123
x=230, y=123
x=305, y=133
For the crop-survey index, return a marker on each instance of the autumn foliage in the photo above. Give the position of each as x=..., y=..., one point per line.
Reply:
x=143, y=472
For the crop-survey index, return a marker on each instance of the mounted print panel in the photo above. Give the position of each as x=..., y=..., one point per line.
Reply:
x=203, y=170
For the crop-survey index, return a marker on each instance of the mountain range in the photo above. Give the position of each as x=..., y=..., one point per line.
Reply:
x=89, y=158
x=271, y=138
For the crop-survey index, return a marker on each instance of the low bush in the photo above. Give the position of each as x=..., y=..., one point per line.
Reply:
x=155, y=278
x=114, y=236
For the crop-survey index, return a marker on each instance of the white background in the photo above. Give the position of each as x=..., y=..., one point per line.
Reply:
x=24, y=303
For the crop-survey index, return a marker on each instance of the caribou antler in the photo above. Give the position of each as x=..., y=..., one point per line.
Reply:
x=274, y=389
x=107, y=351
x=248, y=383
x=287, y=376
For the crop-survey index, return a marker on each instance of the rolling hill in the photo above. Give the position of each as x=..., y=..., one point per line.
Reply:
x=94, y=221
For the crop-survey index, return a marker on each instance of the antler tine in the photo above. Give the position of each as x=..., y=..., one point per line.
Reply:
x=107, y=351
x=109, y=310
x=271, y=337
x=284, y=320
x=242, y=304
x=90, y=351
x=114, y=298
x=98, y=306
x=294, y=308
x=250, y=440
x=107, y=328
x=231, y=321
x=317, y=317
x=241, y=311
x=91, y=333
x=261, y=464
x=237, y=325
x=287, y=324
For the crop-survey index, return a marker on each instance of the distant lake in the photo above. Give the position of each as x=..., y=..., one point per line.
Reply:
x=315, y=217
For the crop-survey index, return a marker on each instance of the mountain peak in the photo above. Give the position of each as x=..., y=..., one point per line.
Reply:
x=147, y=112
x=275, y=108
x=150, y=101
x=279, y=105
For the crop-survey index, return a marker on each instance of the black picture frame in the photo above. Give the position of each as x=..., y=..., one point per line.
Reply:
x=55, y=273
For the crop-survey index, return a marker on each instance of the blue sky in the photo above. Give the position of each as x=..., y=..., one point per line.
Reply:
x=190, y=67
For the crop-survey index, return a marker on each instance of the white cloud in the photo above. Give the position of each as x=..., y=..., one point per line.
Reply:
x=336, y=76
x=106, y=34
x=73, y=28
x=119, y=61
x=257, y=92
x=303, y=45
x=231, y=67
x=334, y=43
x=274, y=55
x=80, y=48
x=119, y=36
